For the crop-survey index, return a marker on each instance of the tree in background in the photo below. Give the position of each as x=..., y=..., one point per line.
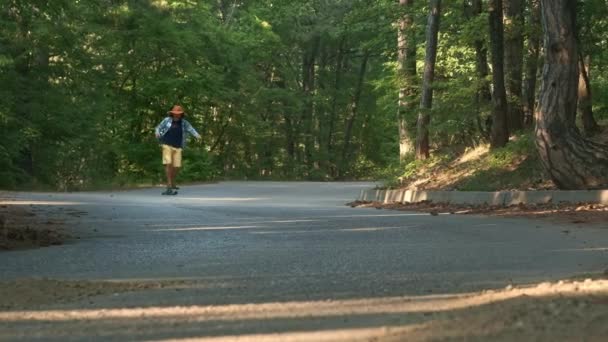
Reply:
x=281, y=89
x=591, y=28
x=500, y=130
x=585, y=101
x=532, y=62
x=483, y=95
x=426, y=99
x=406, y=77
x=514, y=58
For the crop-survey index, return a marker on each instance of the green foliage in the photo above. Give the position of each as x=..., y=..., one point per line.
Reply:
x=600, y=96
x=521, y=146
x=198, y=166
x=275, y=88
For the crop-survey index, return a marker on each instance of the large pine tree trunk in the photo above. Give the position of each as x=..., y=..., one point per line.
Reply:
x=514, y=59
x=585, y=104
x=572, y=161
x=426, y=101
x=534, y=38
x=406, y=68
x=500, y=130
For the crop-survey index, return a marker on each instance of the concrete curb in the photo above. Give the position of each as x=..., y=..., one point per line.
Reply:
x=504, y=198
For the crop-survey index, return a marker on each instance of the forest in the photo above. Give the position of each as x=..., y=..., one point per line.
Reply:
x=300, y=90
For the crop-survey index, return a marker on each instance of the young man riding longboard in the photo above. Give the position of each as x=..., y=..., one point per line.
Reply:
x=172, y=133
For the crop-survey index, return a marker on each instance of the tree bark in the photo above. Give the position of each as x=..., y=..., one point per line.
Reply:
x=406, y=74
x=514, y=59
x=500, y=131
x=572, y=161
x=585, y=103
x=529, y=90
x=426, y=101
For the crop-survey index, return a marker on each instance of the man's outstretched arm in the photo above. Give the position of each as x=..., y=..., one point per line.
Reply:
x=192, y=131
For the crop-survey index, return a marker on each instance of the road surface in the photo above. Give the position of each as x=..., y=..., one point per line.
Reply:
x=289, y=244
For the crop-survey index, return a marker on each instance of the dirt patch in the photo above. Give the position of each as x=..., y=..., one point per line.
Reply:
x=582, y=213
x=21, y=227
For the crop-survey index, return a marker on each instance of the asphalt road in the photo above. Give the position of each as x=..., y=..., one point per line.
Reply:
x=266, y=242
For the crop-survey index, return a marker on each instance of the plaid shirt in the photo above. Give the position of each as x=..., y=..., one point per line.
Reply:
x=187, y=128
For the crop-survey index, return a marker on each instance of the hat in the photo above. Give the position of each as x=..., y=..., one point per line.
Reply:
x=176, y=110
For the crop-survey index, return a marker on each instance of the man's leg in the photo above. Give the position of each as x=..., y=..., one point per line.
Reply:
x=169, y=172
x=177, y=164
x=175, y=172
x=168, y=162
x=169, y=169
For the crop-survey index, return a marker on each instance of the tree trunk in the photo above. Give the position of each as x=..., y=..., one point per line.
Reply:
x=406, y=74
x=484, y=95
x=585, y=104
x=572, y=161
x=289, y=133
x=227, y=9
x=481, y=59
x=309, y=87
x=426, y=101
x=334, y=105
x=529, y=91
x=500, y=131
x=290, y=141
x=514, y=59
x=354, y=109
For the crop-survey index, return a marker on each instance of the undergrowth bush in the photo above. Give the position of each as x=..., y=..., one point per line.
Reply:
x=515, y=166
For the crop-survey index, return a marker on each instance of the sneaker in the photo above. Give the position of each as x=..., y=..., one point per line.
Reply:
x=169, y=192
x=175, y=187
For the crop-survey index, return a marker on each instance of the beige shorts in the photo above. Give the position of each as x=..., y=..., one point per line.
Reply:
x=172, y=156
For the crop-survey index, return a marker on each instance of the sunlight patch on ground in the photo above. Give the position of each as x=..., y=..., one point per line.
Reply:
x=510, y=314
x=598, y=249
x=377, y=215
x=371, y=229
x=354, y=334
x=302, y=309
x=286, y=221
x=203, y=228
x=473, y=154
x=311, y=231
x=235, y=312
x=224, y=199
